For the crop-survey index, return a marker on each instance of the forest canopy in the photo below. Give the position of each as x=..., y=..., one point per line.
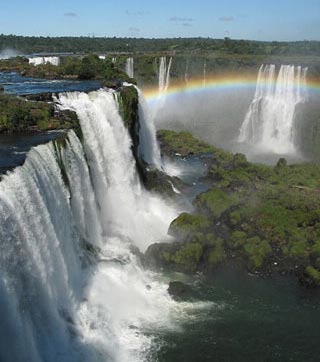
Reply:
x=31, y=44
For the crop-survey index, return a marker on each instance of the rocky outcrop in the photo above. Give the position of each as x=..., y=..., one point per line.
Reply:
x=19, y=114
x=265, y=219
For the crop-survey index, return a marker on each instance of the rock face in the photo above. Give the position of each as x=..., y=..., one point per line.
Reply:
x=179, y=291
x=1, y=88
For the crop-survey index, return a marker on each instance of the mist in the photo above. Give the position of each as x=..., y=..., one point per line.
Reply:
x=8, y=53
x=213, y=116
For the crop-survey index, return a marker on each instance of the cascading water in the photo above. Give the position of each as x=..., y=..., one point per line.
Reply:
x=44, y=60
x=269, y=122
x=129, y=67
x=164, y=75
x=40, y=267
x=71, y=287
x=186, y=73
x=204, y=75
x=108, y=146
x=148, y=147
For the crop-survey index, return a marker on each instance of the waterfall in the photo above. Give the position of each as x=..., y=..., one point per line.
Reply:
x=71, y=218
x=269, y=122
x=129, y=67
x=186, y=73
x=40, y=267
x=114, y=59
x=164, y=75
x=148, y=148
x=204, y=76
x=44, y=60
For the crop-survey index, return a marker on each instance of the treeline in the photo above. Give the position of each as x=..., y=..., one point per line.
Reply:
x=28, y=45
x=71, y=67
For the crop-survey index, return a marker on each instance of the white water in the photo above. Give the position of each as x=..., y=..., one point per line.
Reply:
x=164, y=75
x=44, y=60
x=186, y=73
x=148, y=147
x=129, y=67
x=204, y=76
x=56, y=302
x=269, y=122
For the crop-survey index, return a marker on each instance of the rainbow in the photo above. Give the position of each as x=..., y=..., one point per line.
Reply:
x=217, y=84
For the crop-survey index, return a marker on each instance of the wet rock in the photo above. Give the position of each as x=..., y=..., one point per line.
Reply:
x=179, y=290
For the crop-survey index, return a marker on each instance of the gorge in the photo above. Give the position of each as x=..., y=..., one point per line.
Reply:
x=79, y=226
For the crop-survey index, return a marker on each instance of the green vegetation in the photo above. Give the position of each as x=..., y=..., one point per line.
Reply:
x=27, y=44
x=129, y=106
x=182, y=143
x=262, y=217
x=18, y=114
x=86, y=67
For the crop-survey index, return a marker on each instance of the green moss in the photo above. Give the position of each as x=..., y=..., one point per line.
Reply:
x=182, y=143
x=257, y=250
x=188, y=256
x=187, y=225
x=128, y=102
x=235, y=217
x=218, y=254
x=238, y=239
x=216, y=201
x=313, y=273
x=316, y=248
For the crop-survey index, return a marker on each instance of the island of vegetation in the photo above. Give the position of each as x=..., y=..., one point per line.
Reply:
x=258, y=218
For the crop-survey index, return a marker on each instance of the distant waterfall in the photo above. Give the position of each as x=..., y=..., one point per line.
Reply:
x=186, y=73
x=204, y=75
x=44, y=60
x=114, y=59
x=57, y=211
x=269, y=122
x=164, y=75
x=129, y=67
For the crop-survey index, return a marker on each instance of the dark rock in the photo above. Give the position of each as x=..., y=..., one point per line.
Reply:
x=43, y=97
x=1, y=88
x=179, y=290
x=159, y=181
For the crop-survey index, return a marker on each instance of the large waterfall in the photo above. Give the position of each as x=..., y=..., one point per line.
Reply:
x=269, y=122
x=129, y=67
x=71, y=220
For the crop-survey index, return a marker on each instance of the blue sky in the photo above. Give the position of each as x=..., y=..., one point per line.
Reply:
x=237, y=19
